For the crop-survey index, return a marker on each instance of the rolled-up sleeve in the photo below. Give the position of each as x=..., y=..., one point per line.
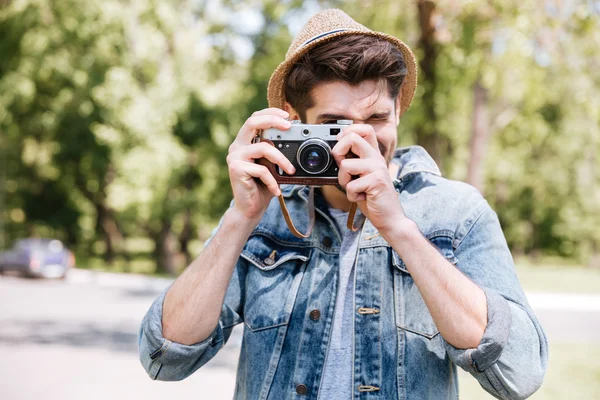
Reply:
x=166, y=360
x=511, y=358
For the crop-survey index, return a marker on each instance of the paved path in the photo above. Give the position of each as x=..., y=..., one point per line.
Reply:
x=568, y=317
x=77, y=339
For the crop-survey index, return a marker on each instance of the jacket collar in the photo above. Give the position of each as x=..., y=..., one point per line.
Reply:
x=413, y=159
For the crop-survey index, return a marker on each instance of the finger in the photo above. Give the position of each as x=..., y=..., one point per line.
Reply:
x=353, y=142
x=359, y=197
x=258, y=122
x=351, y=167
x=357, y=189
x=365, y=131
x=264, y=150
x=272, y=111
x=242, y=169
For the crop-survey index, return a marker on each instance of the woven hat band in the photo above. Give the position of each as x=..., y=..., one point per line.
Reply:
x=319, y=36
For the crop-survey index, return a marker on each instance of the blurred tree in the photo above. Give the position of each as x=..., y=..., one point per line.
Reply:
x=95, y=98
x=53, y=60
x=115, y=118
x=502, y=104
x=428, y=48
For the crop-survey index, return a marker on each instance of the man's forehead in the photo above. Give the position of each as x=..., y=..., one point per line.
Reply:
x=359, y=102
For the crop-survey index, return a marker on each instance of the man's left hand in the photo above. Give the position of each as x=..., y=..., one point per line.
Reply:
x=366, y=179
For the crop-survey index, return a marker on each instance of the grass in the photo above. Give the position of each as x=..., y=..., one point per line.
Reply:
x=558, y=278
x=573, y=373
x=545, y=277
x=137, y=265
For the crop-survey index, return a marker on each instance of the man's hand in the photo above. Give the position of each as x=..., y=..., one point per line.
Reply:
x=372, y=188
x=192, y=306
x=251, y=195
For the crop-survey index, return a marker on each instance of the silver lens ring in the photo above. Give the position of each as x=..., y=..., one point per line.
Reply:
x=318, y=142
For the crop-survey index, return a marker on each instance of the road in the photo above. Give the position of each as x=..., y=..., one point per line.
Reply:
x=77, y=339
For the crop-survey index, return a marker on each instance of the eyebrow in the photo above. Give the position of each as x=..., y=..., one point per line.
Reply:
x=328, y=116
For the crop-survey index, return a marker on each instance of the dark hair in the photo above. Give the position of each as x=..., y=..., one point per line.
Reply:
x=352, y=59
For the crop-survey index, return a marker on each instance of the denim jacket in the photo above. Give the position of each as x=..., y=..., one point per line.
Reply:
x=283, y=290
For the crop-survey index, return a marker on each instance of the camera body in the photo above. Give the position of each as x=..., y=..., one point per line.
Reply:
x=308, y=147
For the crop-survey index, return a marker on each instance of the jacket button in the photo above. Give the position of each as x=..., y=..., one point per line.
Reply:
x=268, y=261
x=301, y=389
x=315, y=315
x=327, y=242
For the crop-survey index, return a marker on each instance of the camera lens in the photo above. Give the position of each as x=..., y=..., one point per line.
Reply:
x=313, y=159
x=314, y=156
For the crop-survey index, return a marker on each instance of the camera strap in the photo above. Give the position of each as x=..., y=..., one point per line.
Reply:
x=311, y=215
x=351, y=215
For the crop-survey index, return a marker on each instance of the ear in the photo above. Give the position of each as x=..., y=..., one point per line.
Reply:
x=290, y=110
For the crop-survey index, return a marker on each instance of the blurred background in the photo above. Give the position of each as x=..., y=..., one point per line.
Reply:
x=116, y=116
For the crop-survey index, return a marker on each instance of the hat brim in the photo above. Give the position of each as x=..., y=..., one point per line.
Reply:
x=276, y=88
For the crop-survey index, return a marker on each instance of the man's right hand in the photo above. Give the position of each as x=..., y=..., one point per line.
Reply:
x=253, y=185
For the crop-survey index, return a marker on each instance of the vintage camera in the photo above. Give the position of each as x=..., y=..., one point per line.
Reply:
x=308, y=147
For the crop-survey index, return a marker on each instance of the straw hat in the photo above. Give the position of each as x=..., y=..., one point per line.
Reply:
x=327, y=25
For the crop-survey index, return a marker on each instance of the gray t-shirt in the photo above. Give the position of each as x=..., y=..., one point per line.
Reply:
x=336, y=382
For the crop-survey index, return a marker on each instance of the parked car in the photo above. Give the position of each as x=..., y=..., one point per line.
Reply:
x=41, y=258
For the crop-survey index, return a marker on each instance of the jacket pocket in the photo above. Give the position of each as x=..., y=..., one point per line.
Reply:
x=273, y=277
x=411, y=312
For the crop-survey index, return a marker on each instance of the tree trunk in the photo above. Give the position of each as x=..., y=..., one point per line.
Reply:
x=106, y=223
x=190, y=179
x=165, y=251
x=595, y=257
x=3, y=211
x=186, y=235
x=428, y=136
x=111, y=234
x=479, y=136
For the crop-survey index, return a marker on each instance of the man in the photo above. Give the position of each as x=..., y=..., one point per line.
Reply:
x=386, y=312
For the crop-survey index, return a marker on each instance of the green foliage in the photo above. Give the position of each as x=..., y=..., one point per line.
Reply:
x=541, y=76
x=116, y=117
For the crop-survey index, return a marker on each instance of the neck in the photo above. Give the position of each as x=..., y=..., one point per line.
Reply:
x=337, y=198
